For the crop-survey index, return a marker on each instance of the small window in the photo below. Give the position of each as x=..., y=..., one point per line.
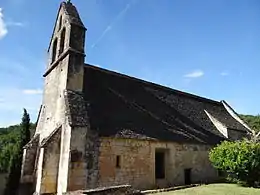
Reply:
x=60, y=22
x=54, y=50
x=118, y=162
x=75, y=156
x=90, y=162
x=62, y=39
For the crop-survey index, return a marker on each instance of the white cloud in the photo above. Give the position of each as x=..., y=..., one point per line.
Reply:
x=195, y=74
x=4, y=24
x=224, y=73
x=32, y=91
x=12, y=23
x=2, y=100
x=3, y=27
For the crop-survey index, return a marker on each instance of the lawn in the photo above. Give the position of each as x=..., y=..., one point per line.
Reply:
x=215, y=189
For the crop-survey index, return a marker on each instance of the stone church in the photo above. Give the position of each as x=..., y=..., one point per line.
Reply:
x=99, y=128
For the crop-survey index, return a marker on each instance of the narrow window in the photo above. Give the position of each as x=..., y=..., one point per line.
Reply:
x=90, y=161
x=54, y=50
x=60, y=22
x=75, y=156
x=118, y=162
x=62, y=39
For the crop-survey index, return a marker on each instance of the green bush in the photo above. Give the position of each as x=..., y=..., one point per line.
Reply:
x=239, y=160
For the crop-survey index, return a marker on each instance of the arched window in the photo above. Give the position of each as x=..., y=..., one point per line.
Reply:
x=60, y=22
x=54, y=50
x=62, y=39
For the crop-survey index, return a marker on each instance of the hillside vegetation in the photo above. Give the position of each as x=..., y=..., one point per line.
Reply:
x=9, y=139
x=8, y=144
x=252, y=121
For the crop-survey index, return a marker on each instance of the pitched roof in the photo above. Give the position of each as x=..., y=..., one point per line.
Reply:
x=119, y=105
x=76, y=109
x=50, y=137
x=34, y=139
x=71, y=11
x=72, y=14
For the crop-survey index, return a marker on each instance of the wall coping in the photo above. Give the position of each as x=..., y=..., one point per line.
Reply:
x=100, y=190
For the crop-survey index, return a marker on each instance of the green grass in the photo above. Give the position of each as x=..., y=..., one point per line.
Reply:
x=215, y=189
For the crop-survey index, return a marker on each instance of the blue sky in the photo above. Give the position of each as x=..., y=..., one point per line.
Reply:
x=207, y=47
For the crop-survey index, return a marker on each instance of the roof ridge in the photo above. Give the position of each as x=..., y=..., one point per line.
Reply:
x=154, y=84
x=235, y=115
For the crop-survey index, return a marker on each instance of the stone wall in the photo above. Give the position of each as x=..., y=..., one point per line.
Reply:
x=84, y=156
x=54, y=84
x=137, y=163
x=29, y=159
x=77, y=164
x=52, y=112
x=50, y=164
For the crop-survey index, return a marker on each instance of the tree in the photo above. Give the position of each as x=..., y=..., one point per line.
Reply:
x=9, y=140
x=25, y=129
x=240, y=160
x=252, y=121
x=15, y=164
x=14, y=171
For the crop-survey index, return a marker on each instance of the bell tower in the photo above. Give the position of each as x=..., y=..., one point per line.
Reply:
x=65, y=66
x=66, y=48
x=64, y=72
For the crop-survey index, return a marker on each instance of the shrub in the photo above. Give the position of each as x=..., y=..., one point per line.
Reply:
x=239, y=160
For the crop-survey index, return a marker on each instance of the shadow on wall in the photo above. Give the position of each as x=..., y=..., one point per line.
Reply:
x=3, y=177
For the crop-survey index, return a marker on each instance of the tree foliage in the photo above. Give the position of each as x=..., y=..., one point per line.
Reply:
x=252, y=121
x=239, y=160
x=9, y=141
x=15, y=160
x=25, y=129
x=254, y=124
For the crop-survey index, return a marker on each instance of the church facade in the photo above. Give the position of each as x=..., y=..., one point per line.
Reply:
x=100, y=128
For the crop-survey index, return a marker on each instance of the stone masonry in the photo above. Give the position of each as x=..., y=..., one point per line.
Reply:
x=64, y=72
x=111, y=190
x=138, y=161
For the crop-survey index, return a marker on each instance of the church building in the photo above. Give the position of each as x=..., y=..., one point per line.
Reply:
x=99, y=128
